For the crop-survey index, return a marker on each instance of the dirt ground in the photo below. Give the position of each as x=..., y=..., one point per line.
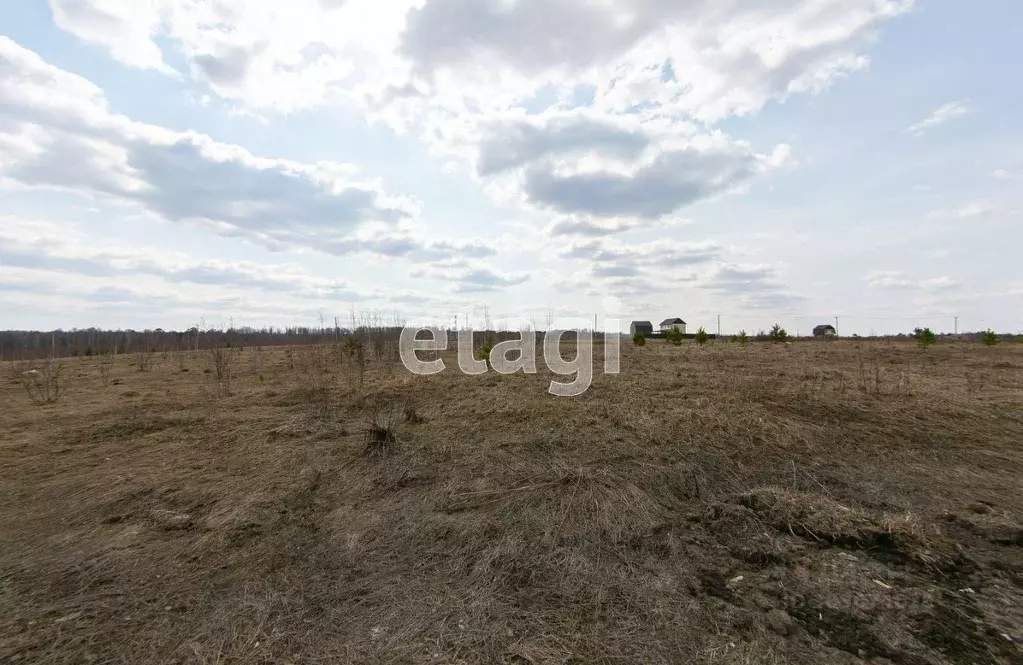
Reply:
x=824, y=502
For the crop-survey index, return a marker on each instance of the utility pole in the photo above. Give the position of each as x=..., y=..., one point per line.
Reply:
x=836, y=325
x=956, y=324
x=719, y=325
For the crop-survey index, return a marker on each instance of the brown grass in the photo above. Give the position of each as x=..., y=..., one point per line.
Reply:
x=819, y=502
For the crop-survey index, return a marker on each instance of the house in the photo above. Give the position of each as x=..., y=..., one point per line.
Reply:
x=824, y=330
x=668, y=324
x=644, y=327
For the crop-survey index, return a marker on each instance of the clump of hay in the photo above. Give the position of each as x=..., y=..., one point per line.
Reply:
x=826, y=521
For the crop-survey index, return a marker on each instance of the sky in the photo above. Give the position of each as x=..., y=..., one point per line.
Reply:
x=166, y=162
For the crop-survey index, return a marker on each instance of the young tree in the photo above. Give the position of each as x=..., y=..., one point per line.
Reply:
x=742, y=337
x=778, y=333
x=924, y=337
x=701, y=336
x=674, y=336
x=990, y=338
x=483, y=352
x=638, y=339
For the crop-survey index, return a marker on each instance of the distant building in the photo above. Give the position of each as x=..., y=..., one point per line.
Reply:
x=676, y=322
x=824, y=330
x=644, y=327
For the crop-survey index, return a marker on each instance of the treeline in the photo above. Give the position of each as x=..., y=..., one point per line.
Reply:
x=35, y=344
x=26, y=344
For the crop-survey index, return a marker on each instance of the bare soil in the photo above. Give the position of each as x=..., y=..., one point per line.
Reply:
x=823, y=502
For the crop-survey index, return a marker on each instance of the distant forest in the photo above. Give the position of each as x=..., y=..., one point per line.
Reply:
x=32, y=344
x=25, y=344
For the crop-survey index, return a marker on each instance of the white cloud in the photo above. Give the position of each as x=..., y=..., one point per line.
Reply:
x=659, y=185
x=940, y=283
x=586, y=226
x=51, y=249
x=267, y=55
x=584, y=163
x=519, y=140
x=64, y=268
x=898, y=280
x=443, y=60
x=637, y=270
x=752, y=285
x=463, y=74
x=967, y=211
x=663, y=254
x=126, y=28
x=890, y=280
x=728, y=57
x=940, y=116
x=1007, y=174
x=57, y=132
x=474, y=279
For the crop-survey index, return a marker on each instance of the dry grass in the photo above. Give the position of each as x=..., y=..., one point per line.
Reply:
x=819, y=502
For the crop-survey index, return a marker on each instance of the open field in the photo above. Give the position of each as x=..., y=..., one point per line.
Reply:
x=821, y=502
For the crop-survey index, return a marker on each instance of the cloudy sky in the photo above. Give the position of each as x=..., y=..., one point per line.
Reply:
x=262, y=162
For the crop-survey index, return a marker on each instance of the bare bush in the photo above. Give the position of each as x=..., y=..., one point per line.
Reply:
x=323, y=371
x=384, y=430
x=44, y=384
x=356, y=353
x=256, y=359
x=221, y=366
x=104, y=373
x=143, y=356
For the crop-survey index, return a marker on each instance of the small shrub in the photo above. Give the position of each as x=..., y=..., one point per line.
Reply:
x=46, y=384
x=674, y=336
x=778, y=334
x=742, y=337
x=701, y=336
x=924, y=337
x=384, y=431
x=144, y=357
x=221, y=365
x=352, y=346
x=354, y=349
x=483, y=353
x=638, y=339
x=990, y=338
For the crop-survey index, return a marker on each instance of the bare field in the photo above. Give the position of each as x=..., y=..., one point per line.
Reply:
x=814, y=503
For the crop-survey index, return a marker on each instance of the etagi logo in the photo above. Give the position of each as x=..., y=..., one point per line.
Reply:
x=522, y=350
